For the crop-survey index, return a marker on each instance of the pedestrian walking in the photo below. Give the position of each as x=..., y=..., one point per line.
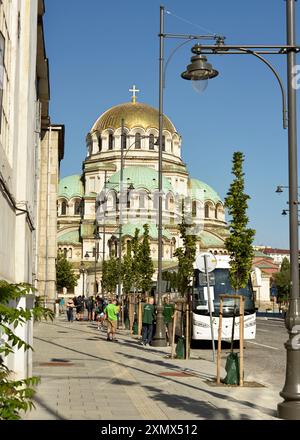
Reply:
x=79, y=308
x=90, y=306
x=61, y=305
x=70, y=308
x=168, y=314
x=147, y=321
x=111, y=311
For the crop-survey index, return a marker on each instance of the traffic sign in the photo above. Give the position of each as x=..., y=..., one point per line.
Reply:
x=211, y=262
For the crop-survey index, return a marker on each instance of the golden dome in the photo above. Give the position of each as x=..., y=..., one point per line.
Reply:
x=135, y=114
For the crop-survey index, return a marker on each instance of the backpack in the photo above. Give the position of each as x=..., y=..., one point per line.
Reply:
x=90, y=303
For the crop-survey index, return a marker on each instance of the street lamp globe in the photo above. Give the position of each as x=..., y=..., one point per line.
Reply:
x=199, y=69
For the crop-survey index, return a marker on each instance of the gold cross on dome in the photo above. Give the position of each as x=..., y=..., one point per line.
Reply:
x=133, y=90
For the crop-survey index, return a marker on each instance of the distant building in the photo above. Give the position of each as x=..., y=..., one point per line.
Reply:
x=277, y=254
x=263, y=270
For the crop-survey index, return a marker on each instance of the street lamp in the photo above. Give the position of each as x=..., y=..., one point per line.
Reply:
x=97, y=239
x=290, y=407
x=198, y=69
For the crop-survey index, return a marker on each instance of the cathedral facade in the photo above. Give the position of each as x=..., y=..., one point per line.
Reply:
x=105, y=204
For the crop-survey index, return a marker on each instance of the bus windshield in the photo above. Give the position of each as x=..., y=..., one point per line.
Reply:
x=219, y=285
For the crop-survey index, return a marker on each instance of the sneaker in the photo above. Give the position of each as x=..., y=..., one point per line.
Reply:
x=108, y=339
x=142, y=343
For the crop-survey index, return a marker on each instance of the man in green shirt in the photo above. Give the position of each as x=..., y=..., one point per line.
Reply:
x=111, y=311
x=168, y=313
x=147, y=321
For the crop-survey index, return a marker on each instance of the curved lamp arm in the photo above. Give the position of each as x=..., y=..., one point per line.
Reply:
x=171, y=56
x=283, y=93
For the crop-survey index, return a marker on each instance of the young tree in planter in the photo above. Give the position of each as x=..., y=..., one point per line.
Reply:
x=110, y=275
x=136, y=269
x=186, y=257
x=65, y=275
x=127, y=270
x=239, y=243
x=15, y=395
x=283, y=281
x=145, y=263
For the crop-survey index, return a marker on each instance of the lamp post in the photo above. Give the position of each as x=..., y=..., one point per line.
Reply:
x=198, y=70
x=83, y=271
x=205, y=71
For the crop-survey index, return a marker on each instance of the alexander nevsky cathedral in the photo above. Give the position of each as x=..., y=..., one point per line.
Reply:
x=103, y=205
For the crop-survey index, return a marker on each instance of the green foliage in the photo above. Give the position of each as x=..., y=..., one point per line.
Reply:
x=239, y=243
x=110, y=275
x=15, y=395
x=65, y=275
x=283, y=281
x=171, y=277
x=126, y=270
x=145, y=263
x=137, y=265
x=136, y=275
x=186, y=257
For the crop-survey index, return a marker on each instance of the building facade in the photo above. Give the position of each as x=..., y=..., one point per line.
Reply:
x=24, y=120
x=102, y=199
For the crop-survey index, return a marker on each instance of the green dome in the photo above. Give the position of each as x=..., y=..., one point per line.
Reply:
x=139, y=177
x=71, y=237
x=129, y=229
x=200, y=189
x=71, y=186
x=207, y=239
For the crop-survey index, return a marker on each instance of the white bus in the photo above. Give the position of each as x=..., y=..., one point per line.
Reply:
x=220, y=284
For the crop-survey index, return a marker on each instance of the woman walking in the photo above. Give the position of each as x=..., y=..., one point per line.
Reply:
x=70, y=307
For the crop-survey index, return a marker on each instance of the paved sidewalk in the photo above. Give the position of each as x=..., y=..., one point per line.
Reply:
x=85, y=377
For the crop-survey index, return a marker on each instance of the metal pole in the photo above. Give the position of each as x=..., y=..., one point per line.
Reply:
x=120, y=293
x=121, y=211
x=83, y=272
x=103, y=235
x=159, y=339
x=290, y=407
x=209, y=308
x=95, y=286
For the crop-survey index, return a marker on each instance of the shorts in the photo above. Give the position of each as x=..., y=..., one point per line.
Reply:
x=111, y=326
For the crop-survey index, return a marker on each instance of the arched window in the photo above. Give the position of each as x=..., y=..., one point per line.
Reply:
x=194, y=208
x=110, y=141
x=113, y=247
x=206, y=210
x=151, y=142
x=77, y=207
x=216, y=212
x=70, y=253
x=142, y=200
x=138, y=141
x=100, y=143
x=173, y=246
x=164, y=143
x=155, y=198
x=65, y=252
x=64, y=208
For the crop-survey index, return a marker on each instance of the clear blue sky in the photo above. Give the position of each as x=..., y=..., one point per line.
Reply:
x=97, y=49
